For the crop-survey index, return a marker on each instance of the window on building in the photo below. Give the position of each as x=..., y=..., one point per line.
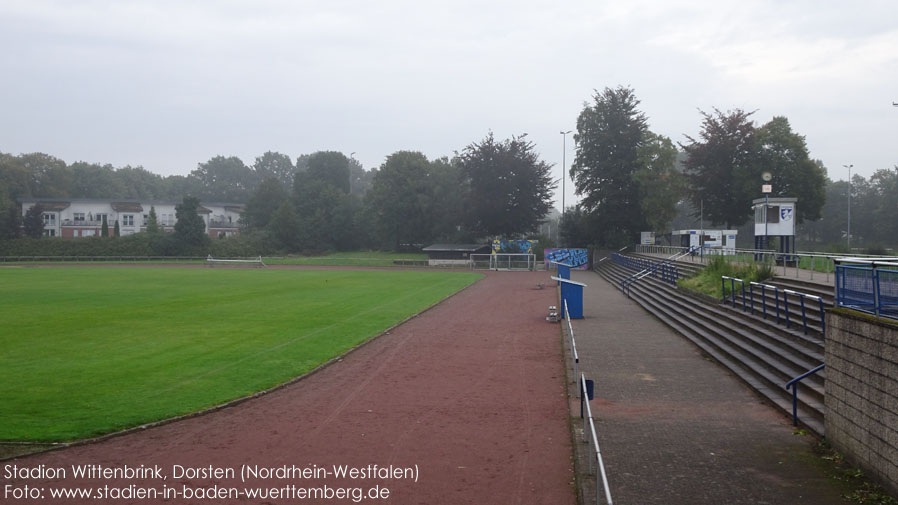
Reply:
x=773, y=214
x=78, y=217
x=49, y=219
x=99, y=218
x=127, y=219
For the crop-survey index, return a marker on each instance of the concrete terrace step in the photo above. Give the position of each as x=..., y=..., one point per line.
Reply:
x=762, y=355
x=783, y=357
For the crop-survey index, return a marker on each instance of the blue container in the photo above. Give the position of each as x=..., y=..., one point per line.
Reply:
x=564, y=271
x=572, y=293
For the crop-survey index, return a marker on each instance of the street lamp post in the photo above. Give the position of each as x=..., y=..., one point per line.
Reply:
x=352, y=157
x=849, y=206
x=563, y=165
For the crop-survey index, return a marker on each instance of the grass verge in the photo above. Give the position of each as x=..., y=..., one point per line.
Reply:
x=708, y=280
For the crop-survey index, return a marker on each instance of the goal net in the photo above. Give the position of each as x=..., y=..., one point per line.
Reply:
x=503, y=261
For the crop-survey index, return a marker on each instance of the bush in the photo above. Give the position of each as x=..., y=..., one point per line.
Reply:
x=877, y=250
x=708, y=280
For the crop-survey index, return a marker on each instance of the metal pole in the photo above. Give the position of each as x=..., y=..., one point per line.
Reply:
x=563, y=165
x=766, y=221
x=849, y=206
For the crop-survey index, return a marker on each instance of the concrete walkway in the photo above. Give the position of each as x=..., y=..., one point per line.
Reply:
x=676, y=427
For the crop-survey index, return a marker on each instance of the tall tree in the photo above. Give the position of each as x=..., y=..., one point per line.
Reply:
x=784, y=154
x=722, y=165
x=190, y=229
x=104, y=227
x=885, y=211
x=265, y=201
x=225, y=179
x=661, y=185
x=50, y=177
x=91, y=180
x=152, y=221
x=16, y=178
x=509, y=189
x=331, y=167
x=284, y=227
x=448, y=186
x=402, y=199
x=277, y=165
x=10, y=217
x=610, y=135
x=33, y=223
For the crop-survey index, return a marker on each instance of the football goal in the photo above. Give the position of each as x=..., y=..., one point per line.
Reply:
x=503, y=261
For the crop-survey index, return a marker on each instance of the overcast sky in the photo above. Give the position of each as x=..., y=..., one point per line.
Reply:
x=169, y=84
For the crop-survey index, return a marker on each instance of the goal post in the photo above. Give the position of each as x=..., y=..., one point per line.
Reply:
x=503, y=261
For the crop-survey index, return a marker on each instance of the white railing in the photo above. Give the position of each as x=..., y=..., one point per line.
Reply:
x=570, y=331
x=601, y=476
x=589, y=427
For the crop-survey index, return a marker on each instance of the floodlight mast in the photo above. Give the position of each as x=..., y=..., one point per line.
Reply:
x=563, y=164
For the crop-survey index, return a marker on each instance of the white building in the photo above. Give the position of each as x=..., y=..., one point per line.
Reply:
x=722, y=241
x=76, y=217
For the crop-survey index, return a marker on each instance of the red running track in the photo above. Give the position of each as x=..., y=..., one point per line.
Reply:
x=470, y=395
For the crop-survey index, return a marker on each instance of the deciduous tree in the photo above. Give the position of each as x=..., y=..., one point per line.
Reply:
x=402, y=199
x=277, y=165
x=508, y=188
x=265, y=201
x=722, y=165
x=611, y=134
x=784, y=154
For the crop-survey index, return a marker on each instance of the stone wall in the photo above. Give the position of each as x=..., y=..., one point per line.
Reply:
x=862, y=392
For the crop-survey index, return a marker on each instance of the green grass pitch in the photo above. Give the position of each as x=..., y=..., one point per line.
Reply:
x=87, y=351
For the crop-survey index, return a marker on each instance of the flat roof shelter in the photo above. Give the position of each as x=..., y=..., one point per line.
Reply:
x=455, y=251
x=775, y=217
x=723, y=240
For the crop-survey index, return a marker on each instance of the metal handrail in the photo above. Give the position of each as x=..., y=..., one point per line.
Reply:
x=804, y=317
x=776, y=297
x=786, y=292
x=588, y=421
x=570, y=329
x=723, y=290
x=629, y=281
x=794, y=385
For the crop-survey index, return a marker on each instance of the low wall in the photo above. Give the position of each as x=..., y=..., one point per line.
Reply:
x=862, y=392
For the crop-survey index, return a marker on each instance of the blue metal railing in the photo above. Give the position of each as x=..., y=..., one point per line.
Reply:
x=787, y=312
x=764, y=288
x=664, y=270
x=804, y=316
x=868, y=288
x=733, y=281
x=794, y=385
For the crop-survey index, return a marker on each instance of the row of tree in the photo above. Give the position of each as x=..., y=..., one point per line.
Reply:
x=491, y=188
x=223, y=179
x=632, y=179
